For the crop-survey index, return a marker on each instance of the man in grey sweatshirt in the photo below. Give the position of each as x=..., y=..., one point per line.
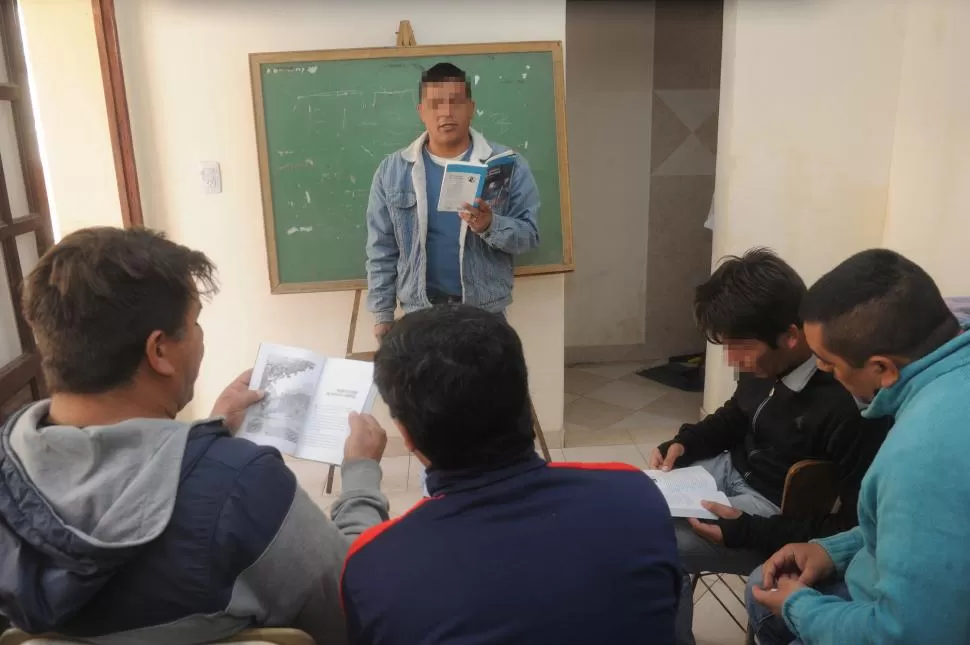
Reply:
x=119, y=524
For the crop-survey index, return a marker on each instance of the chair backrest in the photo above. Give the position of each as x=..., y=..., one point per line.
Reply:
x=811, y=488
x=254, y=636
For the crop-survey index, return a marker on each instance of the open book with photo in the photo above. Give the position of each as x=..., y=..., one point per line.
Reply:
x=685, y=489
x=465, y=181
x=308, y=399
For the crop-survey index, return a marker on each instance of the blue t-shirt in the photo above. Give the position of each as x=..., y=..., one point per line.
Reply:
x=441, y=246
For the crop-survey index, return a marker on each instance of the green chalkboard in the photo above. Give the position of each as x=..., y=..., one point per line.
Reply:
x=325, y=120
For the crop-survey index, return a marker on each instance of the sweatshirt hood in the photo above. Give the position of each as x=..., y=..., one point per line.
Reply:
x=75, y=505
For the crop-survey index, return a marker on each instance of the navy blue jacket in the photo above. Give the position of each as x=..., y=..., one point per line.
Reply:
x=557, y=553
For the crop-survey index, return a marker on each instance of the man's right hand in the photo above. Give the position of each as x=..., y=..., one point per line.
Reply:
x=367, y=438
x=810, y=563
x=658, y=462
x=381, y=329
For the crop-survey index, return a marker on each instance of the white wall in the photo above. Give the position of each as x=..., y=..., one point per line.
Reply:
x=809, y=92
x=929, y=199
x=610, y=79
x=187, y=76
x=72, y=118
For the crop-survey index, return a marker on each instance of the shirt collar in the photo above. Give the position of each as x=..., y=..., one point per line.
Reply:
x=798, y=378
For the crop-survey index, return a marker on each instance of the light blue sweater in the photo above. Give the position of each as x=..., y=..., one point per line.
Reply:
x=907, y=564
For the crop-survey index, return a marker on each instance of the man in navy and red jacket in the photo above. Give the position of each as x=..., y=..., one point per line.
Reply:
x=508, y=548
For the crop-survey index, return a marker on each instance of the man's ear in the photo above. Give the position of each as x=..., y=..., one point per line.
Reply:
x=409, y=444
x=792, y=337
x=158, y=353
x=885, y=369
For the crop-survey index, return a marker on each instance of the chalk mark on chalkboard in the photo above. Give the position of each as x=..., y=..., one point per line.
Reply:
x=390, y=93
x=299, y=229
x=328, y=93
x=367, y=151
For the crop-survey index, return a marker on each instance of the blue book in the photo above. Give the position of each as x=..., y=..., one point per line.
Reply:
x=465, y=181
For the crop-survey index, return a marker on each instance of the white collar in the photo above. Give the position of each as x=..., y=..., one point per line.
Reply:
x=798, y=378
x=481, y=149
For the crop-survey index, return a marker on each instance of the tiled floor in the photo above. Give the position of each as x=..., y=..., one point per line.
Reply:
x=611, y=414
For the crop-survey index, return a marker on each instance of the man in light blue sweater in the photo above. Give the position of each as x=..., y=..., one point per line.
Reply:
x=879, y=323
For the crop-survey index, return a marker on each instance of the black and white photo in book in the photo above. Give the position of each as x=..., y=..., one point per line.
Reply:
x=288, y=383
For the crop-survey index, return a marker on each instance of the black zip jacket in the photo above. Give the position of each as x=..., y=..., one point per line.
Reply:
x=768, y=427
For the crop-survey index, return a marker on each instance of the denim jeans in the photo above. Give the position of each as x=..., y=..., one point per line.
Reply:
x=770, y=629
x=697, y=554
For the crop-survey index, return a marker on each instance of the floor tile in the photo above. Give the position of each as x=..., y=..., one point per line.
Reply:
x=632, y=395
x=579, y=382
x=597, y=454
x=556, y=454
x=568, y=398
x=580, y=438
x=713, y=625
x=402, y=502
x=593, y=415
x=650, y=422
x=678, y=405
x=395, y=474
x=613, y=371
x=414, y=475
x=645, y=450
x=312, y=475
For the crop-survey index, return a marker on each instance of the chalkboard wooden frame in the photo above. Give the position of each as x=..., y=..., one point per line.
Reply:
x=258, y=59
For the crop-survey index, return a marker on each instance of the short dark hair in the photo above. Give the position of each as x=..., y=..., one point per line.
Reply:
x=443, y=73
x=455, y=377
x=878, y=303
x=753, y=297
x=95, y=298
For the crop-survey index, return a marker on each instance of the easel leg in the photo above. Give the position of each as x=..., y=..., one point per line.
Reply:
x=538, y=430
x=329, y=487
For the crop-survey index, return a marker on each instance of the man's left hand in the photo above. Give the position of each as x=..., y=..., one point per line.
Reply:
x=712, y=532
x=235, y=400
x=478, y=217
x=774, y=599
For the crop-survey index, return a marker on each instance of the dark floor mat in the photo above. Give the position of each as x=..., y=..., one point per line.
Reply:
x=681, y=372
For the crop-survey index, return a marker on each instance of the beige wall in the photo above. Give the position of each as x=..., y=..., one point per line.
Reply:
x=929, y=198
x=609, y=77
x=72, y=118
x=187, y=76
x=832, y=143
x=807, y=122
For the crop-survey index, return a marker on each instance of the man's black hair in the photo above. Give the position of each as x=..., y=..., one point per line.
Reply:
x=878, y=303
x=753, y=297
x=443, y=73
x=455, y=377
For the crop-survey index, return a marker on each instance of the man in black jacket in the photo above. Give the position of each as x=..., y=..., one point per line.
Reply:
x=784, y=410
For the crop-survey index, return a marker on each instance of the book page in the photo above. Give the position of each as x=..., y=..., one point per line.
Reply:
x=459, y=186
x=289, y=377
x=345, y=386
x=685, y=489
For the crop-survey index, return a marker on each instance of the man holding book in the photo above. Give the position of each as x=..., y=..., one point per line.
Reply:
x=784, y=410
x=422, y=251
x=119, y=523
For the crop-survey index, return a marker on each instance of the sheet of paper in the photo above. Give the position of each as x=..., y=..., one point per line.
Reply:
x=459, y=186
x=289, y=377
x=685, y=489
x=345, y=386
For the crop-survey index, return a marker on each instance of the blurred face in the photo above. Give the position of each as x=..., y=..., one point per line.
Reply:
x=177, y=359
x=864, y=382
x=758, y=358
x=446, y=112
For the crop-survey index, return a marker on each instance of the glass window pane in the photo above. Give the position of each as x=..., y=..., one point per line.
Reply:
x=27, y=250
x=10, y=347
x=10, y=156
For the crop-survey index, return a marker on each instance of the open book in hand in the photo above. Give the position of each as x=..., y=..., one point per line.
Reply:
x=465, y=181
x=685, y=489
x=308, y=400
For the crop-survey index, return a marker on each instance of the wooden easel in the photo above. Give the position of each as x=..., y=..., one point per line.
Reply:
x=405, y=38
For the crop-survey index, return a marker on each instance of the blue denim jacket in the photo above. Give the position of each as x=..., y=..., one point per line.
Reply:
x=397, y=227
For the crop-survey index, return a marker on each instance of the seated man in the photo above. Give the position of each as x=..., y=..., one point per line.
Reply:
x=878, y=322
x=783, y=411
x=508, y=549
x=120, y=524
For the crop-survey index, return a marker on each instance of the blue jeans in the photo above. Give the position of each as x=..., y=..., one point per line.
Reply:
x=770, y=629
x=697, y=554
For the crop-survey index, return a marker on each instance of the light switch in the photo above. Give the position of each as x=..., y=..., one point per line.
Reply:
x=211, y=177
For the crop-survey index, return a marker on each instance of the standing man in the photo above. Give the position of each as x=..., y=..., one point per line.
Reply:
x=421, y=257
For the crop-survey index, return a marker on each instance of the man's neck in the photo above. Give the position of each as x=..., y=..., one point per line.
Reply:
x=108, y=408
x=449, y=151
x=797, y=358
